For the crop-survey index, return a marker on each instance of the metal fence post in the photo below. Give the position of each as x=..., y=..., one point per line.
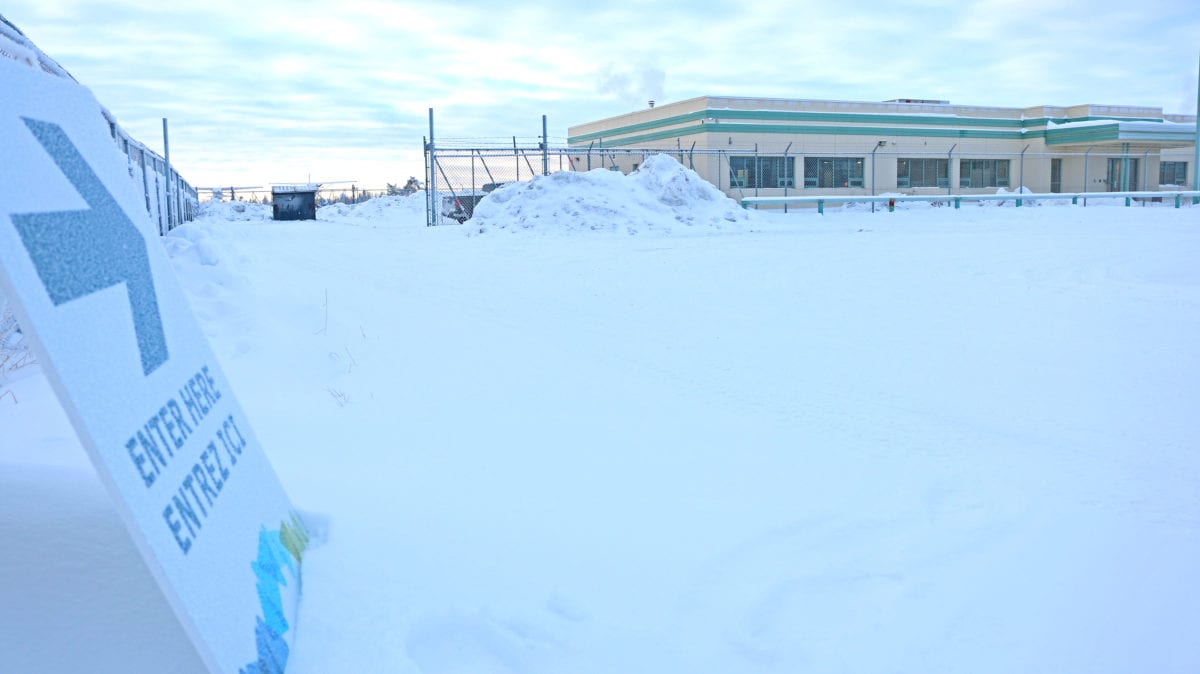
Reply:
x=1125, y=169
x=786, y=178
x=757, y=173
x=1021, y=177
x=950, y=169
x=1145, y=172
x=873, y=151
x=167, y=174
x=1085, y=172
x=431, y=192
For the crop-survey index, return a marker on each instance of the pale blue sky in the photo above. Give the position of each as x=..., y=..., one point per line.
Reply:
x=260, y=92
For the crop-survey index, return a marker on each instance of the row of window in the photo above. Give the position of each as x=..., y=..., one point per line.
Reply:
x=781, y=171
x=833, y=172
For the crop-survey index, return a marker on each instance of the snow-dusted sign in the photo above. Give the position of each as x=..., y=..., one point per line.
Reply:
x=91, y=284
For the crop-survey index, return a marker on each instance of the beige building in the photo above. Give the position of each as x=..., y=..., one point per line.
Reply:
x=773, y=147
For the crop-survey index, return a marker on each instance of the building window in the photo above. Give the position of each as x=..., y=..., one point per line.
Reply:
x=1123, y=174
x=833, y=171
x=1172, y=173
x=762, y=172
x=983, y=173
x=922, y=173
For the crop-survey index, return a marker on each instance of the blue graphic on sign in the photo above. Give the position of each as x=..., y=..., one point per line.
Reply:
x=77, y=253
x=277, y=550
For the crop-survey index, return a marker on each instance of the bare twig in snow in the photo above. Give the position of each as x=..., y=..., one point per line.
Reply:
x=338, y=396
x=325, y=306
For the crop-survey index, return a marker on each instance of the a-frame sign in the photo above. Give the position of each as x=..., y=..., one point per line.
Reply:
x=93, y=287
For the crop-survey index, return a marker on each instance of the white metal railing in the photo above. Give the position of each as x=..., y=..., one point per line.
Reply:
x=957, y=199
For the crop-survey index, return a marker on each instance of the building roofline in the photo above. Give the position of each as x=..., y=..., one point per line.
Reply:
x=703, y=114
x=1085, y=110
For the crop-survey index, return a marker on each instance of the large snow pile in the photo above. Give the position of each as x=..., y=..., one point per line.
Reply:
x=660, y=196
x=386, y=210
x=193, y=243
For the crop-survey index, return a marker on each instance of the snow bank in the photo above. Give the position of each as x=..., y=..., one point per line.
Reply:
x=1016, y=193
x=949, y=201
x=212, y=269
x=405, y=210
x=237, y=211
x=661, y=196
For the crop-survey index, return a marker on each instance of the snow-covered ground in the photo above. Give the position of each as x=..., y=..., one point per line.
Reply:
x=620, y=425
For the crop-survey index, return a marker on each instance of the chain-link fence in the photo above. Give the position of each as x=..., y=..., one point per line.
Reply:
x=326, y=195
x=460, y=177
x=170, y=200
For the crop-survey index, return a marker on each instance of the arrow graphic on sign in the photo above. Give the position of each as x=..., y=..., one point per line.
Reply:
x=77, y=253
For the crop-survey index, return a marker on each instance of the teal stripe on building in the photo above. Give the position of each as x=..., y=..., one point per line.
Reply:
x=945, y=126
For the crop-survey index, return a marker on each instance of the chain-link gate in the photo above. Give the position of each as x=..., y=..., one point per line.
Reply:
x=460, y=177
